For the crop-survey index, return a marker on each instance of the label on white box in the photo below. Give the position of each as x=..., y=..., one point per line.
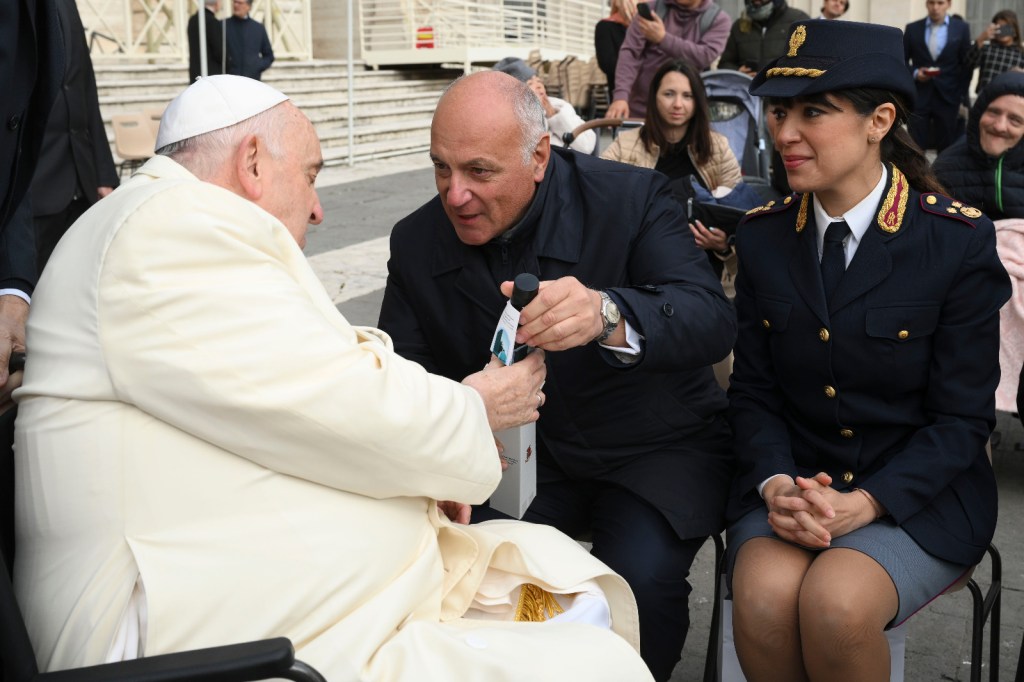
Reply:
x=518, y=484
x=505, y=335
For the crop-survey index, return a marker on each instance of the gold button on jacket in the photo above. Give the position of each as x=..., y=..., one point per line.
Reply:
x=846, y=433
x=823, y=334
x=847, y=476
x=830, y=392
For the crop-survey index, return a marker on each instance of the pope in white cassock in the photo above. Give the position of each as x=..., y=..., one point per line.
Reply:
x=208, y=452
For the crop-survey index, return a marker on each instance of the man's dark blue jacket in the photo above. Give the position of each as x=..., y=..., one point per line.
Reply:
x=655, y=427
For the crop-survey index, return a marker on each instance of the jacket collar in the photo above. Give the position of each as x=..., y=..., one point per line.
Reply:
x=872, y=262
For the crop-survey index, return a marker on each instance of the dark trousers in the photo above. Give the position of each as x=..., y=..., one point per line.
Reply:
x=934, y=126
x=50, y=228
x=634, y=540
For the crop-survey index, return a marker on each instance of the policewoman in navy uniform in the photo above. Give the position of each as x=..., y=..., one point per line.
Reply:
x=862, y=395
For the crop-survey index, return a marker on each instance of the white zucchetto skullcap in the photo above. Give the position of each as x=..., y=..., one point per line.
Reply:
x=213, y=103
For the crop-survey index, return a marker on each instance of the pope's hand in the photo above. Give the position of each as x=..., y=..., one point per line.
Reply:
x=511, y=394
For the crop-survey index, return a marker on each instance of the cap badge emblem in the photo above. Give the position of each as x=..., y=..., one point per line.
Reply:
x=796, y=40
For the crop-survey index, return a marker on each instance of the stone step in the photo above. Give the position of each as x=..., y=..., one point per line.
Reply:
x=393, y=108
x=136, y=99
x=382, y=149
x=337, y=135
x=334, y=134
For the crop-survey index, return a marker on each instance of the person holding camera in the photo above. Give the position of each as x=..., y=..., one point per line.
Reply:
x=694, y=30
x=997, y=50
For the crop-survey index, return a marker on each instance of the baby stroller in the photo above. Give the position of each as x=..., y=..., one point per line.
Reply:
x=736, y=114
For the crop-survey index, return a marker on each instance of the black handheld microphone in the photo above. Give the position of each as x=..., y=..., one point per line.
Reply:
x=524, y=290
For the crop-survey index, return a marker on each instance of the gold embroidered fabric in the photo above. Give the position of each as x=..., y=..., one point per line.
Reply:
x=536, y=605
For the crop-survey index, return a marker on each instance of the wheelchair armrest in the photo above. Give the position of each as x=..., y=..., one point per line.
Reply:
x=260, y=660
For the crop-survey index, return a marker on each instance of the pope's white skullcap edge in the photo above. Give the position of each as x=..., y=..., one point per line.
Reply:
x=213, y=103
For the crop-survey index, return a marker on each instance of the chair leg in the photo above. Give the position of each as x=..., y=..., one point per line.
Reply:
x=987, y=607
x=711, y=662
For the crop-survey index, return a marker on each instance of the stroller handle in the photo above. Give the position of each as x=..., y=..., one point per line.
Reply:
x=567, y=138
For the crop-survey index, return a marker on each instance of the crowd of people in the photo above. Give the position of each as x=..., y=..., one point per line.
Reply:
x=171, y=471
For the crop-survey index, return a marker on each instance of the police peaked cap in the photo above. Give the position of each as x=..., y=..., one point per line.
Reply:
x=825, y=56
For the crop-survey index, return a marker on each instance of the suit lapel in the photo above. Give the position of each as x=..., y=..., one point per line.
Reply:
x=805, y=270
x=469, y=281
x=870, y=265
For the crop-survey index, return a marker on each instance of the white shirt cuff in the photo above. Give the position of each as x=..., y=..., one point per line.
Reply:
x=17, y=292
x=762, y=484
x=633, y=340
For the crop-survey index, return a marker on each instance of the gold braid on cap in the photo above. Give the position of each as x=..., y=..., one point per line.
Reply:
x=794, y=71
x=796, y=40
x=536, y=605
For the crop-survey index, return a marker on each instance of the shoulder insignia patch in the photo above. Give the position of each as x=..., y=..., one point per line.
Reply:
x=938, y=204
x=774, y=206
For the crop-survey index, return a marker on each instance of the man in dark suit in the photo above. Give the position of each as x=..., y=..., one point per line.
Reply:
x=632, y=445
x=935, y=48
x=249, y=49
x=31, y=61
x=75, y=166
x=215, y=56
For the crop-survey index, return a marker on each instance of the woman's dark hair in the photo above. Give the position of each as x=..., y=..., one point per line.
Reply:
x=897, y=147
x=698, y=133
x=1010, y=17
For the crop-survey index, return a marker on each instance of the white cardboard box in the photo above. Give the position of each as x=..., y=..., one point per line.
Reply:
x=518, y=484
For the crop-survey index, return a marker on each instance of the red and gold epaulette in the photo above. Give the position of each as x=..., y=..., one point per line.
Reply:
x=940, y=204
x=894, y=205
x=774, y=206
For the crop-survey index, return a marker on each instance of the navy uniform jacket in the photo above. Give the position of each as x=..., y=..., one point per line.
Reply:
x=656, y=427
x=891, y=388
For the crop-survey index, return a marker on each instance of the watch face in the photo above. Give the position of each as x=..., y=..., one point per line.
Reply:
x=610, y=311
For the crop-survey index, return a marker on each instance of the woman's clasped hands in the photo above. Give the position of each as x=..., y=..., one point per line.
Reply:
x=810, y=512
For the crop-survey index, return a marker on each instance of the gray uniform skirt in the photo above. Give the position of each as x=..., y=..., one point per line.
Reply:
x=918, y=576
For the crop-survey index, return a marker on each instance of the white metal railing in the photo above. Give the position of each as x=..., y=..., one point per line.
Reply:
x=126, y=30
x=467, y=31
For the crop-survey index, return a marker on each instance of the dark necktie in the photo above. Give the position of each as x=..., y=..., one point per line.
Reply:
x=833, y=258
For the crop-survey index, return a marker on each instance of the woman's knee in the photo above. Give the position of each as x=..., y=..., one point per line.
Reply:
x=765, y=589
x=840, y=608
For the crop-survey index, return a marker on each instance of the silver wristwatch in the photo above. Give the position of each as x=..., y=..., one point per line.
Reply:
x=611, y=316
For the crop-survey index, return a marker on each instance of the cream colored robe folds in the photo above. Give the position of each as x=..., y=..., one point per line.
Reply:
x=197, y=417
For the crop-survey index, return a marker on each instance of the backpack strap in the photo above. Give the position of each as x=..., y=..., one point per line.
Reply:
x=706, y=19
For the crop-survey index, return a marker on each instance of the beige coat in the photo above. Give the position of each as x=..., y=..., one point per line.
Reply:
x=721, y=170
x=199, y=420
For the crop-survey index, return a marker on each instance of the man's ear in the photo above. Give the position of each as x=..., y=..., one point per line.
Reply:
x=248, y=167
x=541, y=156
